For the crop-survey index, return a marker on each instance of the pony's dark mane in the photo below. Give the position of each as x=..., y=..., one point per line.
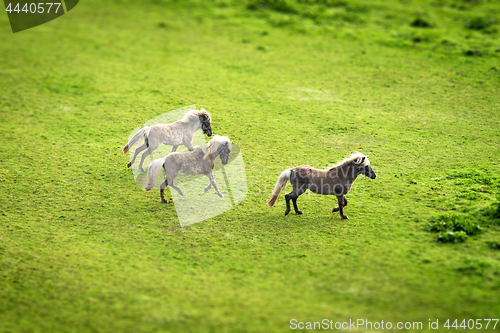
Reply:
x=206, y=114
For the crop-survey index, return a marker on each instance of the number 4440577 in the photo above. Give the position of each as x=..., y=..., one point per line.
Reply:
x=34, y=7
x=471, y=324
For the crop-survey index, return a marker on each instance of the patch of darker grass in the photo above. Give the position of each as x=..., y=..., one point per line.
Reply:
x=349, y=17
x=479, y=23
x=496, y=208
x=459, y=4
x=494, y=245
x=492, y=213
x=474, y=267
x=283, y=6
x=357, y=8
x=420, y=22
x=473, y=177
x=472, y=53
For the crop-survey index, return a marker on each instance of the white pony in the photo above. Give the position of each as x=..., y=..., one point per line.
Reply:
x=179, y=133
x=196, y=162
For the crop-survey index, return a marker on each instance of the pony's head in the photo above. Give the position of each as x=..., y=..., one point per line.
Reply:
x=362, y=165
x=221, y=146
x=205, y=121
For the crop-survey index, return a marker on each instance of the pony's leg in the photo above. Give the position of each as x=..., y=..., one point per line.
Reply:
x=287, y=198
x=174, y=148
x=151, y=149
x=297, y=211
x=208, y=187
x=162, y=191
x=137, y=151
x=341, y=201
x=170, y=178
x=172, y=185
x=212, y=182
x=336, y=209
x=293, y=196
x=146, y=154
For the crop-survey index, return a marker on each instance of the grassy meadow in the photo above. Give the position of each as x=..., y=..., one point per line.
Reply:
x=413, y=84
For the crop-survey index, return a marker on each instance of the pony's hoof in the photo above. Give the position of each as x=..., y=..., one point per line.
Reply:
x=336, y=209
x=221, y=195
x=299, y=212
x=129, y=165
x=286, y=212
x=164, y=201
x=141, y=169
x=345, y=217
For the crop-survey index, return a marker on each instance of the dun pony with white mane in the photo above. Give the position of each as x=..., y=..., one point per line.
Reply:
x=196, y=162
x=337, y=181
x=179, y=133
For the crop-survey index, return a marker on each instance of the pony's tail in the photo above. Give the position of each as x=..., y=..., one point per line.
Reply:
x=153, y=170
x=143, y=132
x=278, y=188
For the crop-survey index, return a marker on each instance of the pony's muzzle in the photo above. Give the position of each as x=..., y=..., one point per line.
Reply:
x=373, y=176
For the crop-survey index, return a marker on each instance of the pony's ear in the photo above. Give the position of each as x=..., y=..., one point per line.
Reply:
x=362, y=160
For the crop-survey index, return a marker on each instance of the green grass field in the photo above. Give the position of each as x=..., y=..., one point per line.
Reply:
x=413, y=84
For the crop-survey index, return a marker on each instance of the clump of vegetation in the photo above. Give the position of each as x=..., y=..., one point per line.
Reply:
x=452, y=237
x=420, y=23
x=494, y=245
x=492, y=213
x=479, y=23
x=454, y=222
x=453, y=228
